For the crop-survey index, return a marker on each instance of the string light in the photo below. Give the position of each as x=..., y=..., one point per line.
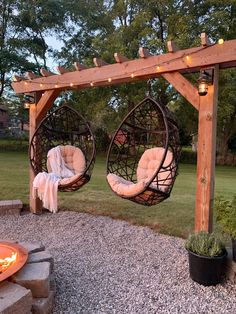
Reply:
x=26, y=105
x=220, y=41
x=187, y=58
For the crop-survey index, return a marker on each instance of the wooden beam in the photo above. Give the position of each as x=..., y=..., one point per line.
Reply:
x=184, y=87
x=37, y=112
x=206, y=152
x=99, y=62
x=119, y=58
x=35, y=204
x=46, y=73
x=144, y=53
x=171, y=46
x=62, y=70
x=18, y=78
x=78, y=66
x=184, y=61
x=45, y=103
x=205, y=41
x=30, y=75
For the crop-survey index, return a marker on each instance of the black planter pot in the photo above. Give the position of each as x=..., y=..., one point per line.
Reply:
x=234, y=249
x=205, y=270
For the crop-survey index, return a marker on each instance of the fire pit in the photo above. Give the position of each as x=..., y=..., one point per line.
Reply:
x=12, y=257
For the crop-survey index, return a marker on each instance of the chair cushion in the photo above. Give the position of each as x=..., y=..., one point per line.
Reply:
x=74, y=159
x=124, y=187
x=69, y=180
x=149, y=163
x=147, y=166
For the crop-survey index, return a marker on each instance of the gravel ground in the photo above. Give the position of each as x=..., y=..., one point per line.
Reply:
x=108, y=266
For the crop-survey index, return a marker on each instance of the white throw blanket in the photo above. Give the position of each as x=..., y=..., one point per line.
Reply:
x=45, y=185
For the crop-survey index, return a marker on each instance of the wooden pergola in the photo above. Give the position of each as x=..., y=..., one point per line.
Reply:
x=172, y=66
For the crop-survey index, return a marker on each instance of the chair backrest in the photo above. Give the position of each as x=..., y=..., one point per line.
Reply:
x=148, y=164
x=73, y=157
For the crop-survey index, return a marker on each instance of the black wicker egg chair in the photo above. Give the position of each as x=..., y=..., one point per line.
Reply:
x=65, y=126
x=142, y=160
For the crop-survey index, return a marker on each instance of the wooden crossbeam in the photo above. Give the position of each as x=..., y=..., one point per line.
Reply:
x=119, y=58
x=46, y=73
x=184, y=61
x=144, y=53
x=62, y=70
x=184, y=87
x=78, y=66
x=205, y=41
x=18, y=78
x=30, y=75
x=171, y=46
x=99, y=62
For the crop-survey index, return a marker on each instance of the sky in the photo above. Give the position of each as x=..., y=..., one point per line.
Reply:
x=55, y=44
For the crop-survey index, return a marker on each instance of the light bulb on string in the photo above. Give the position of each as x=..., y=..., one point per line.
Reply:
x=221, y=41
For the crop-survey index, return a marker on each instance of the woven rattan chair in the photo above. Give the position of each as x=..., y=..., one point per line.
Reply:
x=142, y=160
x=63, y=127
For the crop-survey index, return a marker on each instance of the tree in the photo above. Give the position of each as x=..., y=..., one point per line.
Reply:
x=24, y=26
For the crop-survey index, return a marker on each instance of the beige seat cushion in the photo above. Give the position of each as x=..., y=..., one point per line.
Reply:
x=124, y=187
x=149, y=163
x=147, y=166
x=74, y=160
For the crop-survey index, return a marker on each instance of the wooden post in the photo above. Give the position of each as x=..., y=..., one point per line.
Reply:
x=206, y=156
x=35, y=204
x=37, y=112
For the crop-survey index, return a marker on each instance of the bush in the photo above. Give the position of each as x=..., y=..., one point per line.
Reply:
x=11, y=145
x=205, y=244
x=226, y=215
x=188, y=157
x=102, y=140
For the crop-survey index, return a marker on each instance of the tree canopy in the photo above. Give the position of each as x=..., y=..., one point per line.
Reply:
x=98, y=28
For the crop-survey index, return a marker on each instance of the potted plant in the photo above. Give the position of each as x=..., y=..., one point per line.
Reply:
x=207, y=256
x=226, y=217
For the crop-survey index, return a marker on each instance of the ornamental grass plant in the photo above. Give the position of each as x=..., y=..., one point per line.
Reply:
x=205, y=244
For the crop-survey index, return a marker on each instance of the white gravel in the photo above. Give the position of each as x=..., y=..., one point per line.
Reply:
x=108, y=266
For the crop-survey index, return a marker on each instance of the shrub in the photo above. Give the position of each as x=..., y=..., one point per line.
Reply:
x=14, y=145
x=188, y=157
x=226, y=215
x=205, y=244
x=102, y=140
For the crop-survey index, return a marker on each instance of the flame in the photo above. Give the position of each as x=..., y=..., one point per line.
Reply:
x=7, y=261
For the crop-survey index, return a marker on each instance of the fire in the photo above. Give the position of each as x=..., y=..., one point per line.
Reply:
x=7, y=261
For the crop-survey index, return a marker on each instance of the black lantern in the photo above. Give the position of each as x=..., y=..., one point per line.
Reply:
x=204, y=80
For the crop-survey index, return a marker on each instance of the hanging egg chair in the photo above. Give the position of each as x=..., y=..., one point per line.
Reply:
x=67, y=129
x=142, y=159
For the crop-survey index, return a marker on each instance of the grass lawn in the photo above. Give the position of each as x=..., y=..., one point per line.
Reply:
x=174, y=216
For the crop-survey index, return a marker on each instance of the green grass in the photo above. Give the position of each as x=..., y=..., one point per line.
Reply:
x=174, y=216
